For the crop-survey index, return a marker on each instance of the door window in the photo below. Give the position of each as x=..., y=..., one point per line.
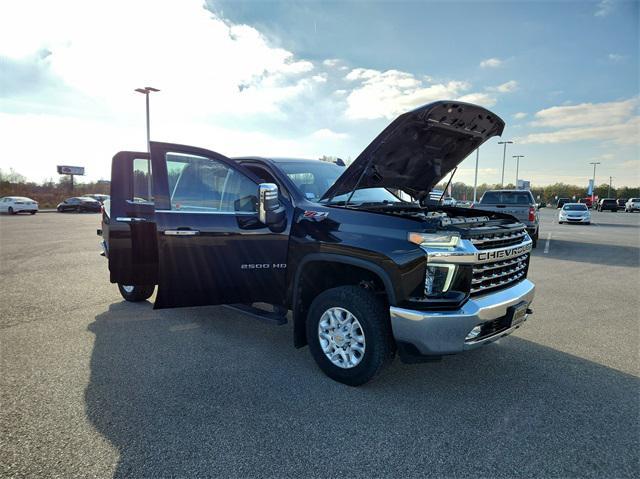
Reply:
x=200, y=184
x=141, y=181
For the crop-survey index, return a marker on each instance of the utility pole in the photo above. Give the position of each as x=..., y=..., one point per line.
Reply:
x=609, y=192
x=504, y=156
x=517, y=157
x=593, y=189
x=475, y=180
x=145, y=91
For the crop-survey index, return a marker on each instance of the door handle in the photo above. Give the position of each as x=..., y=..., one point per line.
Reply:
x=129, y=219
x=182, y=232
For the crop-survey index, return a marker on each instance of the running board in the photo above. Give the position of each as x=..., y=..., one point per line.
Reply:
x=277, y=317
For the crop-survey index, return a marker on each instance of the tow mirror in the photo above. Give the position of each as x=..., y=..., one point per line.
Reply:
x=269, y=210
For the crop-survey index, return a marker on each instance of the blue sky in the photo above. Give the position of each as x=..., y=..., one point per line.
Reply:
x=314, y=78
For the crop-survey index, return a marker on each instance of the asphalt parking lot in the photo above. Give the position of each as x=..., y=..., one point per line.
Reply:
x=94, y=386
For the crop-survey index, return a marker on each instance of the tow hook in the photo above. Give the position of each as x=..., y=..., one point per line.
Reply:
x=529, y=311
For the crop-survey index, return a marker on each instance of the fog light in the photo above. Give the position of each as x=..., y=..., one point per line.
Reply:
x=474, y=333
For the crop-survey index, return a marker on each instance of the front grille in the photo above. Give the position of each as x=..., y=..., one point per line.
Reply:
x=499, y=274
x=498, y=239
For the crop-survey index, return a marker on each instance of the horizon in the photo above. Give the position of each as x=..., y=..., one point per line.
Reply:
x=307, y=80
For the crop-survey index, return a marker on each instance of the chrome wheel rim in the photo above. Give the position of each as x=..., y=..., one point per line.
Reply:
x=341, y=338
x=127, y=289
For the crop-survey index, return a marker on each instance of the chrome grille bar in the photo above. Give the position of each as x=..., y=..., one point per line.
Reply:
x=482, y=279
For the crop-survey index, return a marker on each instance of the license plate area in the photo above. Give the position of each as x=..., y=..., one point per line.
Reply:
x=517, y=313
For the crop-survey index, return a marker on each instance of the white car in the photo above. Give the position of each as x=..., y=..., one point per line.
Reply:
x=574, y=213
x=632, y=205
x=18, y=204
x=449, y=201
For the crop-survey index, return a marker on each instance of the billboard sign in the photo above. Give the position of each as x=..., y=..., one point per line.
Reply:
x=70, y=170
x=590, y=188
x=524, y=184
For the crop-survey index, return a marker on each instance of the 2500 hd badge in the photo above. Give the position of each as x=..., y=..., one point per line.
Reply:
x=362, y=261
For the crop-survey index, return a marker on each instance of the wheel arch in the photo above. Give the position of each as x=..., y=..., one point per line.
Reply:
x=345, y=270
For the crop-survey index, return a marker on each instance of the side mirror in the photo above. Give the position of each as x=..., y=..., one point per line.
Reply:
x=269, y=210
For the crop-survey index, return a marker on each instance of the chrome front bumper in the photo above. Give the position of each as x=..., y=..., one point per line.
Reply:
x=437, y=333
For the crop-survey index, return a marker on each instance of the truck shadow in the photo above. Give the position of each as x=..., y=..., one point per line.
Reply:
x=596, y=253
x=204, y=391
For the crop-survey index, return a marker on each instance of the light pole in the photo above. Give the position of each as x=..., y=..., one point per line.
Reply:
x=475, y=180
x=593, y=189
x=145, y=91
x=517, y=157
x=609, y=192
x=504, y=156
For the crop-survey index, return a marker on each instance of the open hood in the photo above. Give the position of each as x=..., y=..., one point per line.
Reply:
x=419, y=148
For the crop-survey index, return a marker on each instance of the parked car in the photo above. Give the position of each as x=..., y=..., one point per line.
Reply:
x=608, y=204
x=517, y=203
x=587, y=201
x=621, y=203
x=449, y=201
x=633, y=204
x=97, y=196
x=79, y=204
x=18, y=204
x=364, y=274
x=574, y=213
x=562, y=202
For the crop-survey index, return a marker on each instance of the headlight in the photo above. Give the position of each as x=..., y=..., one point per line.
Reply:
x=438, y=278
x=435, y=240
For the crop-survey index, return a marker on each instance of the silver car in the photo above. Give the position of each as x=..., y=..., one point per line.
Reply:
x=574, y=213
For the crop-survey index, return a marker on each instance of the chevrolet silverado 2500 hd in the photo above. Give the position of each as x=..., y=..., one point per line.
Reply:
x=364, y=273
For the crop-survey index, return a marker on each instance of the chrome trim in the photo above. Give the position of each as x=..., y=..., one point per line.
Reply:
x=129, y=219
x=483, y=278
x=182, y=232
x=497, y=285
x=235, y=213
x=499, y=238
x=266, y=192
x=467, y=253
x=444, y=332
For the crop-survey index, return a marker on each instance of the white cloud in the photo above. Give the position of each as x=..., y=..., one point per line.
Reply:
x=327, y=134
x=507, y=87
x=387, y=94
x=482, y=99
x=491, y=63
x=615, y=57
x=604, y=8
x=520, y=115
x=612, y=122
x=626, y=133
x=587, y=114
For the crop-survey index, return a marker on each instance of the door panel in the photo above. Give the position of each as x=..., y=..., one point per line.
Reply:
x=209, y=236
x=132, y=234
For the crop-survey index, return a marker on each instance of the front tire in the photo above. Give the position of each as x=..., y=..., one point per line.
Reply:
x=349, y=334
x=33, y=212
x=136, y=293
x=10, y=211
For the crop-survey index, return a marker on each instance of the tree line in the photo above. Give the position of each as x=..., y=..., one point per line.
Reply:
x=49, y=193
x=547, y=194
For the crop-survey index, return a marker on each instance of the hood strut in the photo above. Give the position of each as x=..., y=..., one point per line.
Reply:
x=448, y=183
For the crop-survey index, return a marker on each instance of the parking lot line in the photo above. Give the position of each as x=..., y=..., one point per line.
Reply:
x=546, y=246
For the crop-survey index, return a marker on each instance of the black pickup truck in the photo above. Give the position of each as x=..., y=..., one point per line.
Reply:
x=363, y=273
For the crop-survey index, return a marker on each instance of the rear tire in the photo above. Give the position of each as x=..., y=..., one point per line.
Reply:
x=10, y=211
x=136, y=293
x=33, y=212
x=535, y=240
x=371, y=316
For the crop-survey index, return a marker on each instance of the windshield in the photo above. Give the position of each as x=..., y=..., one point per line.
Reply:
x=506, y=198
x=313, y=178
x=574, y=207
